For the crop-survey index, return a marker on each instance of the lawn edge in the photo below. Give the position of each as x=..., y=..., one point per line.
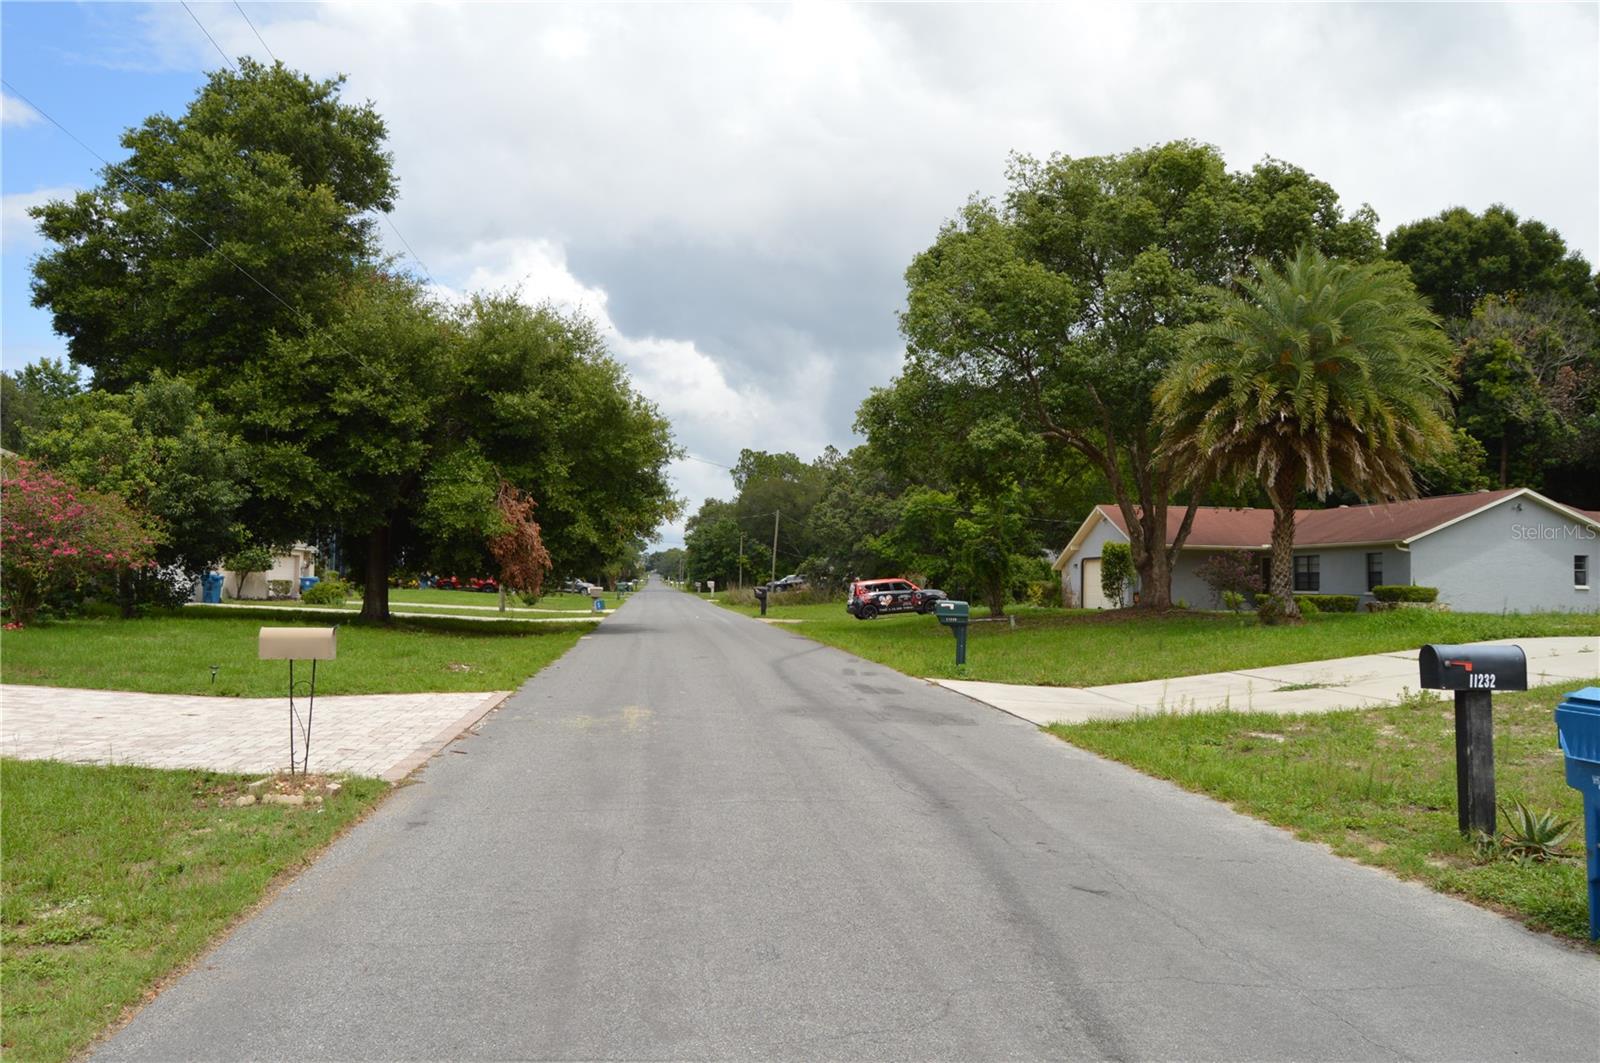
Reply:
x=1521, y=919
x=269, y=894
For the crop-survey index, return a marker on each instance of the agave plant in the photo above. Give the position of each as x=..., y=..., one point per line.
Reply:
x=1533, y=835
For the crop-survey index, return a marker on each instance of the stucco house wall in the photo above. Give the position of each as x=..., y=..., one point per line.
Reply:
x=1072, y=575
x=1516, y=556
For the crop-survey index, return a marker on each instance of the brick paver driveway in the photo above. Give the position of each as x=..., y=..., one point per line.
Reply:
x=386, y=735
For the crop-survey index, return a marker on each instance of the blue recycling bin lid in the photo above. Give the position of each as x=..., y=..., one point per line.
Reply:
x=1578, y=724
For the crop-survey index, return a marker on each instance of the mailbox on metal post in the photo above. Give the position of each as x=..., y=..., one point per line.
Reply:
x=306, y=644
x=1474, y=673
x=1578, y=725
x=761, y=597
x=953, y=615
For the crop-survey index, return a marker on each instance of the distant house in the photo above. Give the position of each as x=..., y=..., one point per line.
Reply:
x=299, y=560
x=1493, y=551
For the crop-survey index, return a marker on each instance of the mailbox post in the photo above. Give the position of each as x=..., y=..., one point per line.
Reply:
x=1474, y=673
x=306, y=644
x=1578, y=725
x=761, y=597
x=953, y=615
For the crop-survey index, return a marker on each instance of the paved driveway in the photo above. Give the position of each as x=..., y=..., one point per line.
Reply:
x=1315, y=686
x=386, y=735
x=698, y=836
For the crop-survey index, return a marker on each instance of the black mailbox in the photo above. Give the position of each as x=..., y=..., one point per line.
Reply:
x=1473, y=668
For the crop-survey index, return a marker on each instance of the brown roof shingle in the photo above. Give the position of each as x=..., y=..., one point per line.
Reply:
x=1243, y=529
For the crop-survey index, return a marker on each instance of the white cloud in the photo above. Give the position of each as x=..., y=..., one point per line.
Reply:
x=18, y=232
x=13, y=112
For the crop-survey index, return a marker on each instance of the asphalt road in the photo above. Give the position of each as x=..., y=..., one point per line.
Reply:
x=700, y=836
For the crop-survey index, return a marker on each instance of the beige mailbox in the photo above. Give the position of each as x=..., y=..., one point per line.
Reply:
x=297, y=643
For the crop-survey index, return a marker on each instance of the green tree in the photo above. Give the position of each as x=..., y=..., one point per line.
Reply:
x=1322, y=373
x=1458, y=257
x=711, y=541
x=1530, y=383
x=1069, y=301
x=29, y=400
x=164, y=451
x=264, y=182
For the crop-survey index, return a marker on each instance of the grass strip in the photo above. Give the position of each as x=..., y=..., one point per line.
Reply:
x=1378, y=786
x=117, y=876
x=1054, y=647
x=174, y=654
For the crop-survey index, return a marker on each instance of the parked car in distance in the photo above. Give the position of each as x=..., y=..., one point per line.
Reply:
x=869, y=598
x=790, y=582
x=447, y=583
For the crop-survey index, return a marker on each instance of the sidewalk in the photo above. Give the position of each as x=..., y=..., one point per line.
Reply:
x=385, y=735
x=1316, y=686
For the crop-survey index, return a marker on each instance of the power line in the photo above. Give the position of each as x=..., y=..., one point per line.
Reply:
x=207, y=32
x=253, y=29
x=426, y=272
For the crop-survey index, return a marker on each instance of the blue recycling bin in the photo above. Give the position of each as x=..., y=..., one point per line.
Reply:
x=1578, y=724
x=599, y=605
x=307, y=582
x=211, y=588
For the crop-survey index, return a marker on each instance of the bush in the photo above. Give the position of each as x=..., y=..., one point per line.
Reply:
x=1328, y=603
x=1116, y=570
x=1400, y=592
x=1268, y=611
x=330, y=590
x=1232, y=601
x=169, y=587
x=1235, y=571
x=1045, y=593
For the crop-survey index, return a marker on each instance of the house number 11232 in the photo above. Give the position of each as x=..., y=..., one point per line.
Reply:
x=1481, y=680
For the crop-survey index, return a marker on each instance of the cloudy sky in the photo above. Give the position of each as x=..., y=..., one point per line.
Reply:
x=736, y=190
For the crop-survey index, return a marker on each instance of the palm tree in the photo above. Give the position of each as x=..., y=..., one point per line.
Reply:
x=1322, y=372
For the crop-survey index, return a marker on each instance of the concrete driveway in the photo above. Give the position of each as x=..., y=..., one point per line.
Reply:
x=1315, y=686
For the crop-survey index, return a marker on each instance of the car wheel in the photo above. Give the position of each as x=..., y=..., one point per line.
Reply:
x=868, y=612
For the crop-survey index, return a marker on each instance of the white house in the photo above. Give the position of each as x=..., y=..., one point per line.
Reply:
x=300, y=560
x=1511, y=550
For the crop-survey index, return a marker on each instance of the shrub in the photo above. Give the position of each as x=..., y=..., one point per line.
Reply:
x=169, y=587
x=1232, y=601
x=1269, y=611
x=1329, y=603
x=1307, y=607
x=1116, y=570
x=56, y=535
x=1400, y=592
x=330, y=590
x=1235, y=571
x=1045, y=592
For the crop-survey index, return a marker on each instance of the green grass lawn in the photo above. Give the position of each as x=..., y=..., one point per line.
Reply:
x=1053, y=647
x=1378, y=786
x=115, y=876
x=173, y=654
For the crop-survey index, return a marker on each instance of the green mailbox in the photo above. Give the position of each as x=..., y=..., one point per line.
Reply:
x=953, y=615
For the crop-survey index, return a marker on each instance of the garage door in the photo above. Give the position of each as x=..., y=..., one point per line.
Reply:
x=1093, y=596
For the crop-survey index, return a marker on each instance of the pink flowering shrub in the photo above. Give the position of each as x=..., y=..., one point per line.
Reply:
x=55, y=534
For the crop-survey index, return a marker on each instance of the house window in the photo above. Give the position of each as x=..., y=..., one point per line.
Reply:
x=1306, y=573
x=1580, y=570
x=1374, y=570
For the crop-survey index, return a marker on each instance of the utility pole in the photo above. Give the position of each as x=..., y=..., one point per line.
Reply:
x=741, y=560
x=775, y=515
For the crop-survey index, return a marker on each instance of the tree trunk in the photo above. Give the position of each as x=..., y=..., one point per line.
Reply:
x=1282, y=584
x=1155, y=585
x=375, y=598
x=125, y=592
x=996, y=593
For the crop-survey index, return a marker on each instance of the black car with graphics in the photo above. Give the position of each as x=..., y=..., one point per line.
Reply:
x=869, y=598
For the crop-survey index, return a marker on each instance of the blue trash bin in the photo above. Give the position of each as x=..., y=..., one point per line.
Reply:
x=307, y=582
x=1578, y=725
x=599, y=604
x=211, y=588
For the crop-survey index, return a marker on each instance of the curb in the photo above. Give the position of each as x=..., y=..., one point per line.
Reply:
x=451, y=731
